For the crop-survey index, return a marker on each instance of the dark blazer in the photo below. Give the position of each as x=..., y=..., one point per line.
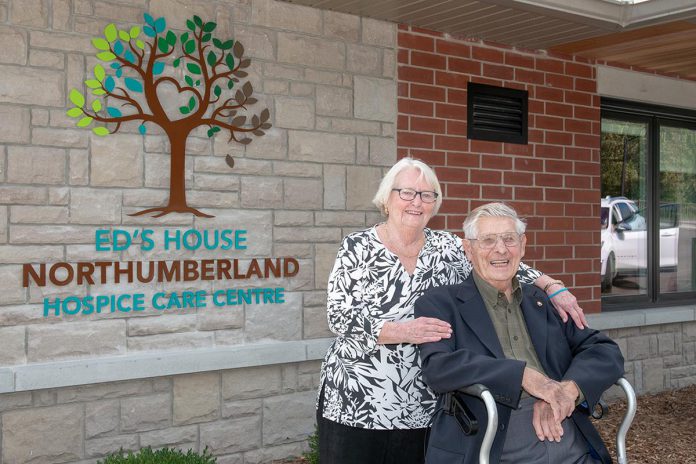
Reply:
x=473, y=355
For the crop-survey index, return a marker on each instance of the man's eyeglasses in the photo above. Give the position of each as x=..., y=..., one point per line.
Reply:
x=510, y=240
x=408, y=194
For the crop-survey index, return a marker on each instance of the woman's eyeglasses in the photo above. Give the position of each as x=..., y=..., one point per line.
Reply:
x=408, y=194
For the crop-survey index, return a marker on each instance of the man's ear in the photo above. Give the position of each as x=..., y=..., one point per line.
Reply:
x=466, y=244
x=522, y=245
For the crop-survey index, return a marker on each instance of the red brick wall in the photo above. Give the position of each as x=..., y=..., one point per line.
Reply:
x=553, y=180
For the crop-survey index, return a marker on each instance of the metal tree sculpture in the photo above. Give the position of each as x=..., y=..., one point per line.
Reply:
x=139, y=67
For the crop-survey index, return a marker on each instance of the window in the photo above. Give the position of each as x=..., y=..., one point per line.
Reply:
x=648, y=205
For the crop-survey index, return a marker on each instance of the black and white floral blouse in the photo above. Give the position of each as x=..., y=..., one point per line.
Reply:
x=380, y=386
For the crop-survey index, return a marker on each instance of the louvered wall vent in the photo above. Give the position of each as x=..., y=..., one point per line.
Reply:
x=496, y=113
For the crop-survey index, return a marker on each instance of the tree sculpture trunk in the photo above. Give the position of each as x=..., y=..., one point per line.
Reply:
x=177, y=178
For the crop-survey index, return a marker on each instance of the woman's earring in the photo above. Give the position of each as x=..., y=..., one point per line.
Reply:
x=386, y=211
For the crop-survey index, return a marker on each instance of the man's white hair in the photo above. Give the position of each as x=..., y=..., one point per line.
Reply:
x=426, y=172
x=502, y=210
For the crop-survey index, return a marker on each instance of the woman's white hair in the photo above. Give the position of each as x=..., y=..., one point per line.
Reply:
x=491, y=210
x=385, y=187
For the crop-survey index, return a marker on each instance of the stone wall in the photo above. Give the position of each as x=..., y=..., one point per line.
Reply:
x=249, y=415
x=328, y=80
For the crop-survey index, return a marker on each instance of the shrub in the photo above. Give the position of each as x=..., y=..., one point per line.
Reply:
x=162, y=456
x=312, y=456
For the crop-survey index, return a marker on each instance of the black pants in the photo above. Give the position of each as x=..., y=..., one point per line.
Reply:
x=342, y=444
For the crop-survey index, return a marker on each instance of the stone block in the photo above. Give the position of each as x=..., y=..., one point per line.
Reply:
x=58, y=427
x=212, y=199
x=325, y=256
x=294, y=113
x=334, y=187
x=273, y=145
x=38, y=214
x=16, y=122
x=178, y=11
x=376, y=32
x=319, y=76
x=31, y=13
x=77, y=339
x=179, y=437
x=51, y=235
x=117, y=161
x=261, y=192
x=43, y=398
x=9, y=401
x=22, y=195
x=388, y=130
x=339, y=218
x=40, y=116
x=341, y=26
x=301, y=89
x=117, y=12
x=258, y=43
x=366, y=60
x=315, y=324
x=14, y=346
x=296, y=250
x=67, y=138
x=356, y=126
x=61, y=15
x=382, y=151
x=285, y=218
x=231, y=459
x=334, y=101
x=16, y=52
x=99, y=447
x=103, y=391
x=276, y=87
x=231, y=436
x=217, y=165
x=196, y=398
x=258, y=226
x=175, y=341
x=95, y=206
x=374, y=98
x=78, y=167
x=46, y=59
x=296, y=169
x=242, y=408
x=230, y=337
x=251, y=382
x=25, y=86
x=307, y=234
x=653, y=375
x=101, y=418
x=641, y=347
x=157, y=171
x=280, y=15
x=303, y=194
x=3, y=224
x=221, y=318
x=29, y=254
x=321, y=147
x=666, y=344
x=311, y=51
x=388, y=63
x=58, y=196
x=161, y=324
x=11, y=285
x=283, y=71
x=274, y=322
x=224, y=182
x=35, y=165
x=145, y=413
x=362, y=183
x=288, y=418
x=275, y=453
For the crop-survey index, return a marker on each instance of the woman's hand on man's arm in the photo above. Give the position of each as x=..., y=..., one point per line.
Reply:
x=416, y=331
x=565, y=302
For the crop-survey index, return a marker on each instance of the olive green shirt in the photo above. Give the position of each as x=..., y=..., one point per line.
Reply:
x=510, y=325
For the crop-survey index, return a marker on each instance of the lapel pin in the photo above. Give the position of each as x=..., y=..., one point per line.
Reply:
x=539, y=303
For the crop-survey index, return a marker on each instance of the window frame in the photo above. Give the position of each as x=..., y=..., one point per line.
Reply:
x=655, y=116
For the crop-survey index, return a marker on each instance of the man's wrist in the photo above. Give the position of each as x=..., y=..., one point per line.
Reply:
x=552, y=284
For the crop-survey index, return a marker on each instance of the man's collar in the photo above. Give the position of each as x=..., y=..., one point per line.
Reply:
x=490, y=293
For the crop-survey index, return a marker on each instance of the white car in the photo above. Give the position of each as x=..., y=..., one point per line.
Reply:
x=624, y=239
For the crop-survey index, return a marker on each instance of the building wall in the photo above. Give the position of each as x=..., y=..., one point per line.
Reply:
x=553, y=180
x=328, y=80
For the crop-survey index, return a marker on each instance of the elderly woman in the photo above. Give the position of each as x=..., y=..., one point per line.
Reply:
x=373, y=404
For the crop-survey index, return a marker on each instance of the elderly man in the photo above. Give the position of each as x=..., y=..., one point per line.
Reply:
x=508, y=337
